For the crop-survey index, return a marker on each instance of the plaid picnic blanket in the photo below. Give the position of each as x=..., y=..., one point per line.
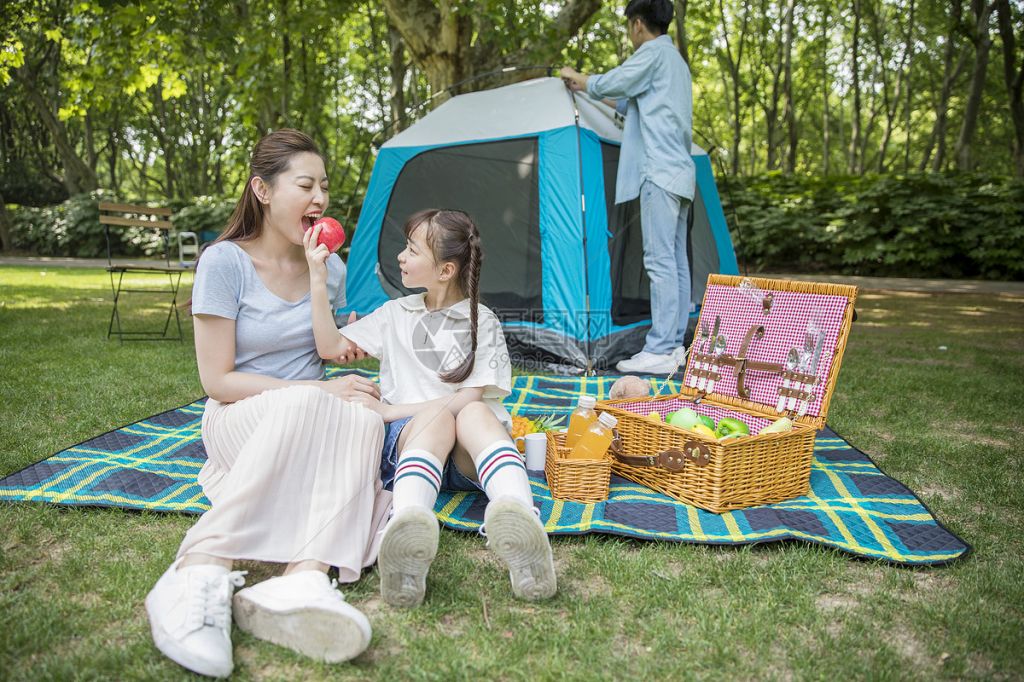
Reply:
x=852, y=506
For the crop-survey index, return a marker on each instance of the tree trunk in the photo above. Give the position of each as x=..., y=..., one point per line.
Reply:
x=90, y=143
x=78, y=177
x=439, y=38
x=5, y=230
x=161, y=131
x=306, y=121
x=866, y=129
x=397, y=67
x=855, y=163
x=841, y=127
x=890, y=97
x=682, y=41
x=218, y=173
x=771, y=109
x=826, y=88
x=383, y=81
x=950, y=74
x=112, y=161
x=910, y=49
x=205, y=141
x=286, y=65
x=733, y=65
x=1014, y=77
x=788, y=113
x=982, y=46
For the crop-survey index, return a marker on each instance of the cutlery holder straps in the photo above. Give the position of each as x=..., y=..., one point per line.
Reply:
x=741, y=364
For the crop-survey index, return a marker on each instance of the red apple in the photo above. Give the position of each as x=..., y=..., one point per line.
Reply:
x=332, y=234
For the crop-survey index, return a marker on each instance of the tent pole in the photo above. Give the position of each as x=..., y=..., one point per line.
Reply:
x=583, y=220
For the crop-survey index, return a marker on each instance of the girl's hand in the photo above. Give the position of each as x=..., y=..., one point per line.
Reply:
x=352, y=352
x=350, y=355
x=352, y=387
x=316, y=255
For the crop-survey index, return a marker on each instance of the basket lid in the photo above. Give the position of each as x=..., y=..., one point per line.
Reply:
x=770, y=343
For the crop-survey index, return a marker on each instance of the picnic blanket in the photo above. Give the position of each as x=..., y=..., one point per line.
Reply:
x=852, y=506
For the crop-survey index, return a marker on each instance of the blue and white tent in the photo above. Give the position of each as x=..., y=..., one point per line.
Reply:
x=534, y=165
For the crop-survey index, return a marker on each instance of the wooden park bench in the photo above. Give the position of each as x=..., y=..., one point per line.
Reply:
x=115, y=216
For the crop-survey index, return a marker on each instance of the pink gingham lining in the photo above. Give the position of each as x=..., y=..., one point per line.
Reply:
x=785, y=328
x=667, y=406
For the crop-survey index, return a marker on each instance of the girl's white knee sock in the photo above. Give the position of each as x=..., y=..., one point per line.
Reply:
x=417, y=480
x=502, y=472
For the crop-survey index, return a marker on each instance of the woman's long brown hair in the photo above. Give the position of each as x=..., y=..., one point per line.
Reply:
x=270, y=158
x=453, y=236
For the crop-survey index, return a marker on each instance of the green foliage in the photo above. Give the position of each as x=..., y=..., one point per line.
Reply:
x=68, y=229
x=202, y=215
x=73, y=229
x=22, y=184
x=918, y=225
x=165, y=99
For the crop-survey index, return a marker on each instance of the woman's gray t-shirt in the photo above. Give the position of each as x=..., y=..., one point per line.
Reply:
x=273, y=337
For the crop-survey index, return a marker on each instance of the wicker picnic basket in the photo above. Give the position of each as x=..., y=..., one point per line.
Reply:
x=580, y=480
x=738, y=367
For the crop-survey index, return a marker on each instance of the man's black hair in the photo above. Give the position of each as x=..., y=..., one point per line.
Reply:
x=656, y=14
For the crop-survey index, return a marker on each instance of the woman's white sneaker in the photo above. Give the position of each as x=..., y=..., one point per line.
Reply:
x=190, y=616
x=305, y=612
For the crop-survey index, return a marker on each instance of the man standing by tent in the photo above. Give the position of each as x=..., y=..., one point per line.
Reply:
x=654, y=90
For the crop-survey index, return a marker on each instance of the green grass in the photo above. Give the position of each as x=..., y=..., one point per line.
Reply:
x=945, y=422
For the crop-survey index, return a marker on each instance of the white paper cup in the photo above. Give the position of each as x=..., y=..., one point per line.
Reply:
x=536, y=446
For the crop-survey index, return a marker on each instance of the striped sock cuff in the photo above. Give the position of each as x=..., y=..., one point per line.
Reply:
x=495, y=457
x=422, y=464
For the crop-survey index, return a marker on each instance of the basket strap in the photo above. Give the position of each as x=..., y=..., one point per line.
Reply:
x=672, y=459
x=651, y=461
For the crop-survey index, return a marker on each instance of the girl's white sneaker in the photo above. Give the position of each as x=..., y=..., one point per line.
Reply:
x=406, y=552
x=516, y=535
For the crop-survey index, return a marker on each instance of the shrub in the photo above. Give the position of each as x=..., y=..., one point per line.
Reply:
x=69, y=228
x=73, y=228
x=919, y=225
x=206, y=216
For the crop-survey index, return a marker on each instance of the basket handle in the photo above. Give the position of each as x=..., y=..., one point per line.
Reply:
x=672, y=459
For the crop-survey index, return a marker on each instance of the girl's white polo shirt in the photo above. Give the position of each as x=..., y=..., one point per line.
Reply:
x=413, y=344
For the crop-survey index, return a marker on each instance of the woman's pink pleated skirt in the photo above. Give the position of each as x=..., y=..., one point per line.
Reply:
x=292, y=474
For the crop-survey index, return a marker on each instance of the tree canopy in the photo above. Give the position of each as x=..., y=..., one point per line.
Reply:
x=153, y=99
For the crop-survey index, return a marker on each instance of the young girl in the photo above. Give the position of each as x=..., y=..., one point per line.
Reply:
x=293, y=461
x=444, y=370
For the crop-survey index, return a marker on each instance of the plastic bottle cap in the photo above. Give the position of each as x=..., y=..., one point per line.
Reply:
x=587, y=401
x=608, y=420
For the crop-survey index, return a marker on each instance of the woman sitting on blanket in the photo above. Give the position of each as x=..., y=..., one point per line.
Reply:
x=444, y=370
x=293, y=461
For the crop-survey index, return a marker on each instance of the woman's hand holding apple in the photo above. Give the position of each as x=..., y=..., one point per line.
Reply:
x=316, y=255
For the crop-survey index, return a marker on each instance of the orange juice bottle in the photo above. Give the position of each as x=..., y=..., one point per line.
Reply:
x=581, y=419
x=596, y=440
